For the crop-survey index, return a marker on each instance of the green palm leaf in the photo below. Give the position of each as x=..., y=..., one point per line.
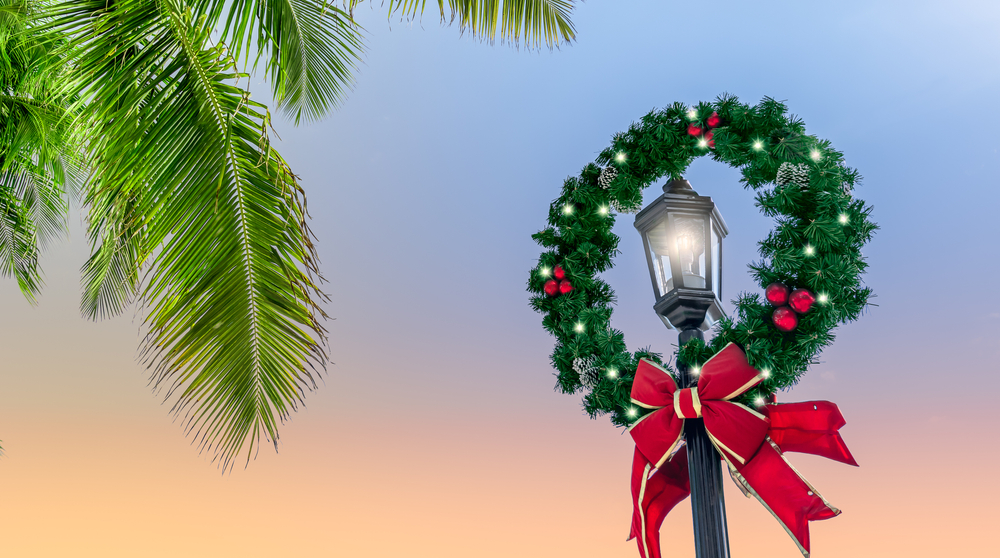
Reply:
x=529, y=21
x=311, y=48
x=33, y=147
x=185, y=179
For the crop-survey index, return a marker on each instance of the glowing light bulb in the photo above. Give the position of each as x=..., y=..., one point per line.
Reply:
x=578, y=327
x=702, y=142
x=816, y=155
x=766, y=373
x=603, y=210
x=692, y=114
x=823, y=298
x=631, y=412
x=612, y=373
x=695, y=370
x=759, y=401
x=843, y=219
x=567, y=209
x=545, y=271
x=758, y=145
x=809, y=250
x=620, y=157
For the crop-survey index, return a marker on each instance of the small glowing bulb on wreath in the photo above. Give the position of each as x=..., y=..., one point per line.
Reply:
x=578, y=327
x=816, y=155
x=759, y=401
x=612, y=373
x=603, y=210
x=567, y=209
x=695, y=370
x=809, y=250
x=620, y=157
x=702, y=143
x=758, y=145
x=545, y=271
x=631, y=411
x=692, y=114
x=766, y=373
x=843, y=219
x=823, y=298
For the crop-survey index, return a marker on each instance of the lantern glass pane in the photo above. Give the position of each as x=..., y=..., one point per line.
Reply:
x=690, y=246
x=716, y=267
x=659, y=254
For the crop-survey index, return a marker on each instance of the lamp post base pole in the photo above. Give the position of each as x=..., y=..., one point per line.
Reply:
x=708, y=504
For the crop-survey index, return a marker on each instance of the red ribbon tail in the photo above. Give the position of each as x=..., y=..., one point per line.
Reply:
x=654, y=493
x=788, y=496
x=809, y=427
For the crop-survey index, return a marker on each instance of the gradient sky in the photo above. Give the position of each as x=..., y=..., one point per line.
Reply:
x=437, y=432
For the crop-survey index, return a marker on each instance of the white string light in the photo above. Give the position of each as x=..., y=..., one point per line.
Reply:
x=631, y=411
x=620, y=157
x=696, y=370
x=603, y=210
x=692, y=114
x=545, y=271
x=843, y=219
x=702, y=142
x=567, y=209
x=759, y=401
x=809, y=250
x=766, y=373
x=758, y=145
x=816, y=155
x=823, y=298
x=578, y=327
x=612, y=373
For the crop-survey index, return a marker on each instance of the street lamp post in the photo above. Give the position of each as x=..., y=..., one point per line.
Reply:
x=682, y=235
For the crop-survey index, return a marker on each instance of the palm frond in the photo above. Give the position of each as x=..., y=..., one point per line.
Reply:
x=184, y=177
x=311, y=48
x=531, y=22
x=33, y=146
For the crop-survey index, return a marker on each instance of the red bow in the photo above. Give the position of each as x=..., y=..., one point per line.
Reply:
x=750, y=442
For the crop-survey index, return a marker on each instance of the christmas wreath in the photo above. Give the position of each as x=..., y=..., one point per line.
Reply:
x=810, y=273
x=811, y=262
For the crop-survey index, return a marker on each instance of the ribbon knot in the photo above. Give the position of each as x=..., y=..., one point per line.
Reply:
x=750, y=442
x=686, y=403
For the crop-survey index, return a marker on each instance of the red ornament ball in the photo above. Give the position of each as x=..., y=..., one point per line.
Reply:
x=559, y=272
x=565, y=287
x=785, y=319
x=552, y=287
x=694, y=130
x=777, y=294
x=801, y=300
x=713, y=120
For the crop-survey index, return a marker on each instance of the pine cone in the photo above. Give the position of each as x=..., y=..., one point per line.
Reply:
x=589, y=374
x=622, y=208
x=785, y=174
x=608, y=174
x=800, y=175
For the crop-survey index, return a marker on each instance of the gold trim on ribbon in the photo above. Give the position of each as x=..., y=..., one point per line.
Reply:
x=643, y=405
x=720, y=447
x=695, y=401
x=642, y=516
x=834, y=509
x=752, y=412
x=756, y=380
x=670, y=452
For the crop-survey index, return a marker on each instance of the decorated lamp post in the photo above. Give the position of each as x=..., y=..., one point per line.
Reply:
x=682, y=236
x=718, y=407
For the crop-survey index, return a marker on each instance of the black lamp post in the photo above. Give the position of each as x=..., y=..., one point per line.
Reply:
x=682, y=234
